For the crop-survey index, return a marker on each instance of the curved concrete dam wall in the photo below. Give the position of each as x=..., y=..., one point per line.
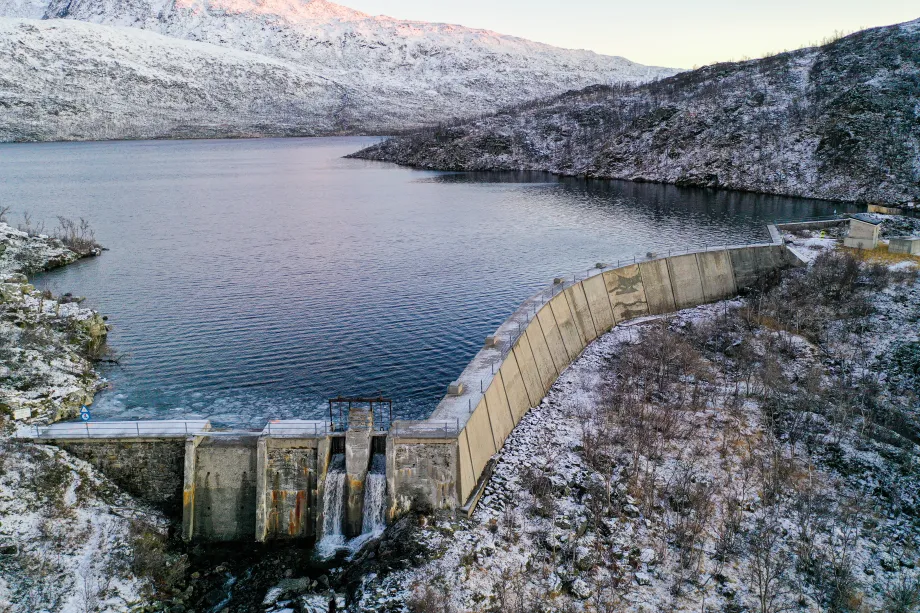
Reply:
x=272, y=484
x=443, y=462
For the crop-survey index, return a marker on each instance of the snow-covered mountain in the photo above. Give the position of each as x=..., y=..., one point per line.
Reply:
x=387, y=74
x=838, y=121
x=66, y=80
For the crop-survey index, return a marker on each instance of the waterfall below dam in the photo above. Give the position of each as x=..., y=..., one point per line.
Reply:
x=333, y=509
x=334, y=496
x=375, y=497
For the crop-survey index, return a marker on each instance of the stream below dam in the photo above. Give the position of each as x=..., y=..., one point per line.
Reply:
x=255, y=279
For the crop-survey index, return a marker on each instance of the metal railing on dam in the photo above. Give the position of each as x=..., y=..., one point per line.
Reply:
x=270, y=483
x=179, y=428
x=115, y=429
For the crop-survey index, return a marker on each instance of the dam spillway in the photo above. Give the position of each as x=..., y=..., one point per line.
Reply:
x=287, y=481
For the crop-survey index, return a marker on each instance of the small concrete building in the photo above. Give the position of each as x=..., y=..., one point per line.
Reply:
x=909, y=245
x=863, y=233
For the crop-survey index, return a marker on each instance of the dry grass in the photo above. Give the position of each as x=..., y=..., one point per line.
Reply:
x=880, y=255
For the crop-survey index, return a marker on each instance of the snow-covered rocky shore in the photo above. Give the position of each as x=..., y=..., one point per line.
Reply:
x=758, y=454
x=48, y=343
x=70, y=540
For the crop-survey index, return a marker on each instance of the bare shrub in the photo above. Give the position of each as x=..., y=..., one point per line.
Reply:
x=511, y=593
x=431, y=597
x=151, y=558
x=903, y=595
x=88, y=589
x=50, y=481
x=538, y=482
x=27, y=226
x=691, y=499
x=37, y=338
x=768, y=564
x=77, y=236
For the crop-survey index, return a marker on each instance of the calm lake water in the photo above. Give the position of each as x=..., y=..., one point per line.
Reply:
x=257, y=278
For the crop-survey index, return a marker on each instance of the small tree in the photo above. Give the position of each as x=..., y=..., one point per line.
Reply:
x=768, y=564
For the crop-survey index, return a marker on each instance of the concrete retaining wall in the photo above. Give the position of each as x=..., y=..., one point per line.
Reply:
x=422, y=473
x=548, y=332
x=225, y=489
x=287, y=496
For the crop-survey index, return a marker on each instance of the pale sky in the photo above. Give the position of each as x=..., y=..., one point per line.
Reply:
x=676, y=33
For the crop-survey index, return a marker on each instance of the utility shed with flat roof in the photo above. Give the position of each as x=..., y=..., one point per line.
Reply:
x=863, y=233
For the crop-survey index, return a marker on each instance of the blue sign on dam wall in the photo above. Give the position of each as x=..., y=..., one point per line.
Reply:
x=254, y=279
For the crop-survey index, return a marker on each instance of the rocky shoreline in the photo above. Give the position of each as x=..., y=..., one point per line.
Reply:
x=66, y=532
x=833, y=122
x=48, y=343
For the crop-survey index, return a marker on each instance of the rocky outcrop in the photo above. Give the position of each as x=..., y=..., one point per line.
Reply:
x=24, y=253
x=48, y=344
x=838, y=122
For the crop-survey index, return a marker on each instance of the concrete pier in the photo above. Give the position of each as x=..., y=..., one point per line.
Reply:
x=357, y=461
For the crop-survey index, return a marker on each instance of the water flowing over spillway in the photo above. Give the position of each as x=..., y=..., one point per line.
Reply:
x=333, y=508
x=375, y=494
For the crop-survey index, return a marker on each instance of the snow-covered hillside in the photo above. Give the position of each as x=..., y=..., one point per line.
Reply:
x=321, y=68
x=66, y=80
x=837, y=121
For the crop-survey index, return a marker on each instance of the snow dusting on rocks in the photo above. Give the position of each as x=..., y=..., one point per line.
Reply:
x=834, y=122
x=66, y=532
x=777, y=466
x=47, y=343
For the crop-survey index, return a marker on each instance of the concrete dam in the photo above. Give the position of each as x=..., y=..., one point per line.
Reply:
x=308, y=480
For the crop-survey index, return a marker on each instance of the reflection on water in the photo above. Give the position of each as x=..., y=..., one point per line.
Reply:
x=257, y=278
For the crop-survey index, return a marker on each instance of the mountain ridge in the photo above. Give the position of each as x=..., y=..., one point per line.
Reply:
x=389, y=74
x=840, y=122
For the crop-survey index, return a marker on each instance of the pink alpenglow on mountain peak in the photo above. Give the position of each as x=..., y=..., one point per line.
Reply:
x=293, y=11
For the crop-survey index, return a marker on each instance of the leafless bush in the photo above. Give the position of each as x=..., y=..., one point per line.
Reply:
x=88, y=589
x=538, y=482
x=655, y=365
x=728, y=530
x=77, y=236
x=511, y=593
x=27, y=226
x=510, y=523
x=50, y=481
x=768, y=564
x=4, y=210
x=37, y=338
x=691, y=500
x=151, y=558
x=433, y=597
x=808, y=302
x=903, y=595
x=904, y=276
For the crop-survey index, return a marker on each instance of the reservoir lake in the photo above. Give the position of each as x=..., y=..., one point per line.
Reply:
x=255, y=279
